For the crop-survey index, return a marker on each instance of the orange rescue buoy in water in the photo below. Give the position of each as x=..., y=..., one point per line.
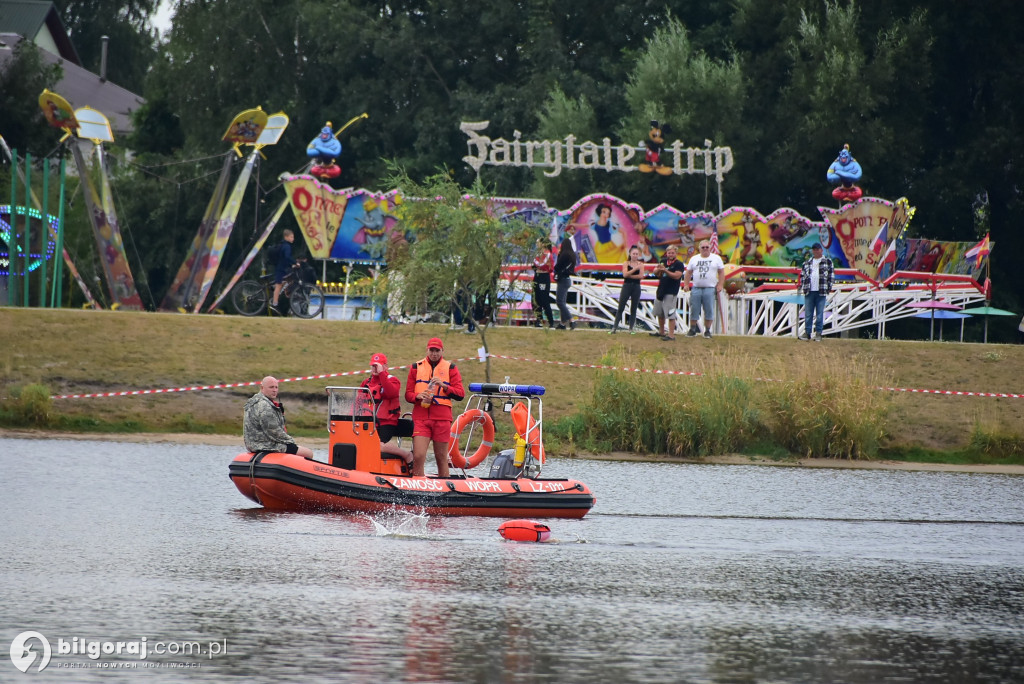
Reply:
x=524, y=531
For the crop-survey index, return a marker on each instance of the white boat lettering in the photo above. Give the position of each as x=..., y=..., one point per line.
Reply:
x=432, y=485
x=483, y=486
x=545, y=486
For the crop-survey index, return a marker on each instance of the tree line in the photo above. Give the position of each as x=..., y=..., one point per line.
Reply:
x=925, y=93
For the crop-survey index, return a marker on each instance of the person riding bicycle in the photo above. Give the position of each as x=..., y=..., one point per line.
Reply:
x=283, y=266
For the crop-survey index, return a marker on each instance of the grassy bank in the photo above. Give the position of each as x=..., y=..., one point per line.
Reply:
x=90, y=352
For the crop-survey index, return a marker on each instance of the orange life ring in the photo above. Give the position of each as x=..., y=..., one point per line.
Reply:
x=461, y=423
x=524, y=423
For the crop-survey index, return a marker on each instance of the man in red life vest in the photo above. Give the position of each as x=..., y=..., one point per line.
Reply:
x=432, y=385
x=385, y=389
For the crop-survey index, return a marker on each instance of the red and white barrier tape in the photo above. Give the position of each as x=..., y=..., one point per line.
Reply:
x=228, y=385
x=959, y=393
x=596, y=366
x=131, y=393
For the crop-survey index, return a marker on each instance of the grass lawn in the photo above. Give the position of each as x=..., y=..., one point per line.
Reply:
x=72, y=351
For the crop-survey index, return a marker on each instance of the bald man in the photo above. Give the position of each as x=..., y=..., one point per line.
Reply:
x=263, y=427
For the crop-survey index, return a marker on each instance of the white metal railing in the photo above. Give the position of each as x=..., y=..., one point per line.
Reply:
x=852, y=305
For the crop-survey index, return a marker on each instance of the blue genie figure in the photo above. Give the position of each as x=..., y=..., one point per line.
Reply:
x=325, y=148
x=845, y=171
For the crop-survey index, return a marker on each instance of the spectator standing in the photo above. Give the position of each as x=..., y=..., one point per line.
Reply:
x=632, y=274
x=670, y=272
x=284, y=264
x=565, y=267
x=708, y=279
x=816, y=278
x=543, y=265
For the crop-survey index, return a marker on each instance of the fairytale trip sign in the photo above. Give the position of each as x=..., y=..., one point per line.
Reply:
x=570, y=154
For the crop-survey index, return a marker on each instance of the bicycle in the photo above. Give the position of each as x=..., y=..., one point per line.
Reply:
x=305, y=298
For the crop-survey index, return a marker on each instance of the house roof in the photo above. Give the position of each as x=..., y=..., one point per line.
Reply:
x=40, y=23
x=81, y=87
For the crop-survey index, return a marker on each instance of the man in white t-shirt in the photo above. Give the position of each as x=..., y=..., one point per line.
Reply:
x=706, y=272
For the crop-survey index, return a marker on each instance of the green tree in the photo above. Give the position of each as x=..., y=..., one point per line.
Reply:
x=22, y=79
x=560, y=117
x=125, y=23
x=456, y=243
x=846, y=85
x=157, y=129
x=699, y=96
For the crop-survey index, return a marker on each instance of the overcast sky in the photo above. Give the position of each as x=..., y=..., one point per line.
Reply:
x=162, y=19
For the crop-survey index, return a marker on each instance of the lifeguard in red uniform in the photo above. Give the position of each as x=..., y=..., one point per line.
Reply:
x=432, y=385
x=385, y=389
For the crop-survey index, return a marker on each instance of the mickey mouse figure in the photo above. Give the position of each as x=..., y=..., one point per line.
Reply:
x=655, y=141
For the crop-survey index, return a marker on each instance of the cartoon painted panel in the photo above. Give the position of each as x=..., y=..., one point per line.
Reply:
x=857, y=225
x=318, y=209
x=605, y=228
x=742, y=236
x=665, y=226
x=503, y=206
x=367, y=226
x=536, y=215
x=934, y=256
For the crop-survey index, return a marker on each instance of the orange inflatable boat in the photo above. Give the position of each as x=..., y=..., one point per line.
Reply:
x=360, y=478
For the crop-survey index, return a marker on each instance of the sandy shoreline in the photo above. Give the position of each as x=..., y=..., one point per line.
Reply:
x=321, y=443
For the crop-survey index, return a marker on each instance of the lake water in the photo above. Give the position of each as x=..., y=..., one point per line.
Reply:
x=681, y=573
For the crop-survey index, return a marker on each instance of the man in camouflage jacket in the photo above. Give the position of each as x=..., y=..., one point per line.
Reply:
x=263, y=427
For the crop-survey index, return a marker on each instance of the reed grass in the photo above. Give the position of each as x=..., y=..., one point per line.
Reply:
x=996, y=442
x=814, y=406
x=828, y=407
x=27, y=406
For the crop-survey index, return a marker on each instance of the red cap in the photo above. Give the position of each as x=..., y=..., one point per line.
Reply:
x=435, y=343
x=379, y=358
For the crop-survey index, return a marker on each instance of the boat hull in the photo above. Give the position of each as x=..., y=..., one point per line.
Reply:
x=286, y=482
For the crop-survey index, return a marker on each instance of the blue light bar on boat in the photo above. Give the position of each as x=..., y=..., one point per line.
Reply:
x=495, y=388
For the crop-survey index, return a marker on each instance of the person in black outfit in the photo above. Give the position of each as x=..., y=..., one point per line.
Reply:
x=565, y=267
x=669, y=271
x=632, y=274
x=283, y=266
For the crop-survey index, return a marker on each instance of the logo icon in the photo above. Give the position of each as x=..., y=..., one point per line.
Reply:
x=23, y=656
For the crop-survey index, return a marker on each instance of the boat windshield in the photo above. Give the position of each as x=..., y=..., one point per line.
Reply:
x=347, y=403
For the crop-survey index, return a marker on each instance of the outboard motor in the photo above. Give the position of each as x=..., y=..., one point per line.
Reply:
x=503, y=466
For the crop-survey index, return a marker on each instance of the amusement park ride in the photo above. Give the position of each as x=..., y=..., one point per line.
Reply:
x=874, y=285
x=878, y=280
